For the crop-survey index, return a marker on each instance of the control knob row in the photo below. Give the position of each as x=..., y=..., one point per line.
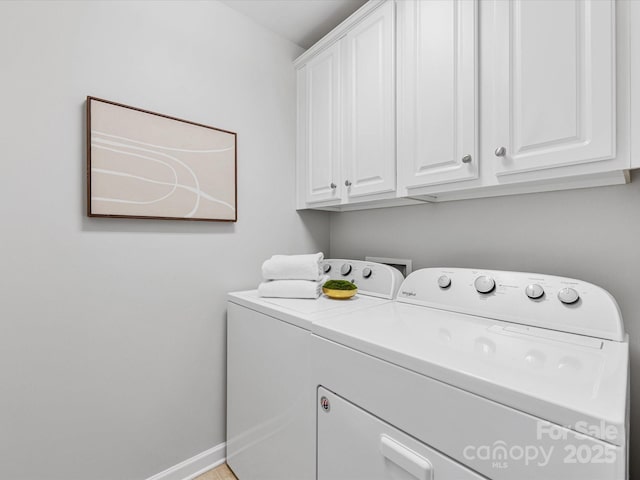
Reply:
x=346, y=268
x=483, y=284
x=486, y=284
x=566, y=295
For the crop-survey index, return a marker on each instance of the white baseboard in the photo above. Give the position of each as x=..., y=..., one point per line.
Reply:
x=194, y=466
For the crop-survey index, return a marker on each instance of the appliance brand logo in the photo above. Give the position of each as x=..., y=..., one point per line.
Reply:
x=408, y=294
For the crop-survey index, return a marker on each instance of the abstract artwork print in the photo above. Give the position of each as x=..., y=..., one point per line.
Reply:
x=142, y=164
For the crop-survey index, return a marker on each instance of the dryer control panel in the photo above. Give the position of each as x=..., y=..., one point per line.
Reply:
x=373, y=279
x=545, y=301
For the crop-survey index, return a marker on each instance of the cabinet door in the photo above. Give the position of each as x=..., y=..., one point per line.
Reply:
x=437, y=92
x=321, y=133
x=553, y=95
x=369, y=145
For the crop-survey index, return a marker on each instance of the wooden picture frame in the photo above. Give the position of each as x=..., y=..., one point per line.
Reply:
x=142, y=164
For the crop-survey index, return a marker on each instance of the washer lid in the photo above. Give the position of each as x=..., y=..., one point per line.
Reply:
x=571, y=380
x=302, y=311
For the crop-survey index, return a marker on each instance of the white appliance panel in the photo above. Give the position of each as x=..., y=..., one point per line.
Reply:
x=560, y=378
x=355, y=445
x=373, y=279
x=591, y=310
x=459, y=424
x=269, y=398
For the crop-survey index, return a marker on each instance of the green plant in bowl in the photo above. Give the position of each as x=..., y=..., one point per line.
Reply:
x=339, y=289
x=339, y=285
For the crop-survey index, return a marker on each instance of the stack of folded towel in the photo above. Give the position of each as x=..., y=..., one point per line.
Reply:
x=292, y=276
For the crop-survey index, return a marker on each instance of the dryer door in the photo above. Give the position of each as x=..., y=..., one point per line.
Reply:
x=355, y=445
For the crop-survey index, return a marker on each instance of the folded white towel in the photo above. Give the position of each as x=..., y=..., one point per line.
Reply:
x=293, y=267
x=292, y=288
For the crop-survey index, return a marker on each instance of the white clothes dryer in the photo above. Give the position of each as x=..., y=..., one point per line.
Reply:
x=270, y=396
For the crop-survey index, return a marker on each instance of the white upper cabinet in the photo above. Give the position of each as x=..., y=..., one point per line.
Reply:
x=437, y=92
x=411, y=101
x=346, y=112
x=369, y=156
x=553, y=96
x=319, y=132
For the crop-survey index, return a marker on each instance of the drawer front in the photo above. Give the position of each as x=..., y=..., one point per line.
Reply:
x=355, y=445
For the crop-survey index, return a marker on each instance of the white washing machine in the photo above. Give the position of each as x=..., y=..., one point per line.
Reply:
x=475, y=374
x=270, y=396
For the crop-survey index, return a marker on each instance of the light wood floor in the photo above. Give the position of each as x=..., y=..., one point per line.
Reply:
x=219, y=473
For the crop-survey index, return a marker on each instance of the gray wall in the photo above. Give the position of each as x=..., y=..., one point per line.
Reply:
x=112, y=332
x=591, y=234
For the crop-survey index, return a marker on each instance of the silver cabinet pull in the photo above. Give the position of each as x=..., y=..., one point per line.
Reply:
x=347, y=183
x=333, y=186
x=466, y=159
x=500, y=152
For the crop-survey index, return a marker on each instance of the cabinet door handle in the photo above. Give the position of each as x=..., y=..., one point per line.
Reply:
x=466, y=159
x=333, y=186
x=347, y=183
x=405, y=458
x=500, y=152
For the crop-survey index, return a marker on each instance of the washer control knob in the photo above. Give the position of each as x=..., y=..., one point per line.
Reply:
x=484, y=284
x=534, y=291
x=366, y=272
x=444, y=281
x=326, y=268
x=345, y=269
x=568, y=296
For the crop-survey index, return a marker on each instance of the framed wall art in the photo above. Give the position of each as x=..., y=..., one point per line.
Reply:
x=142, y=164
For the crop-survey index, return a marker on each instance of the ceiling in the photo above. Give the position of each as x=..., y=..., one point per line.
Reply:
x=304, y=22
